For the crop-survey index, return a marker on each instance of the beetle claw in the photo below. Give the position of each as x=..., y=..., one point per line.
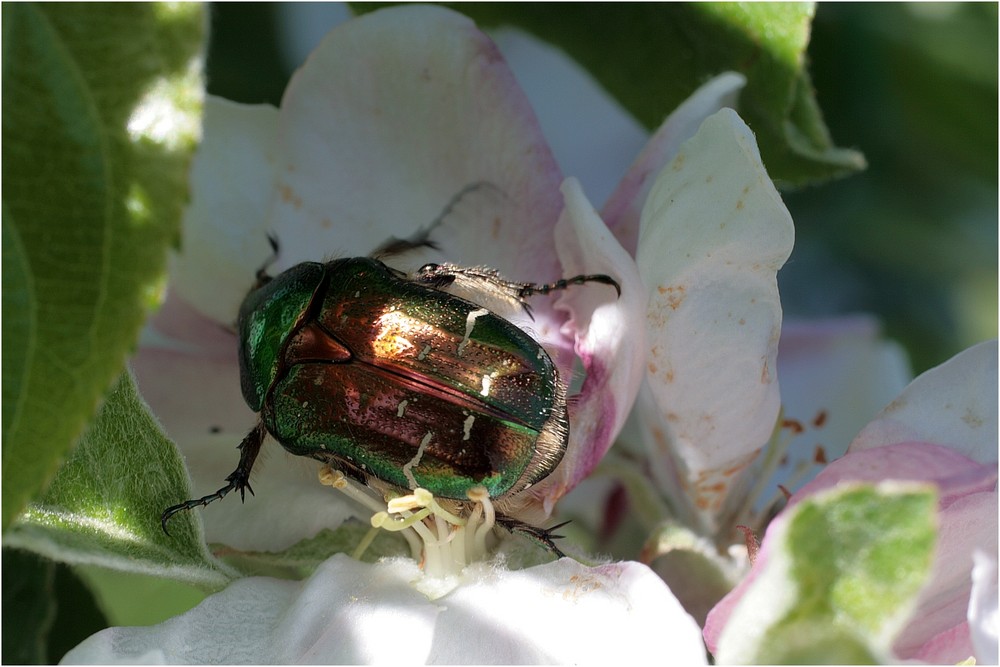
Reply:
x=544, y=536
x=237, y=479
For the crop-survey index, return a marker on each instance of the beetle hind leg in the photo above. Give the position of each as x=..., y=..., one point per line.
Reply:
x=239, y=479
x=543, y=536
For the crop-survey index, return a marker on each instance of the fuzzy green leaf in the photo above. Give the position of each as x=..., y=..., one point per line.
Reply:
x=103, y=508
x=841, y=577
x=101, y=108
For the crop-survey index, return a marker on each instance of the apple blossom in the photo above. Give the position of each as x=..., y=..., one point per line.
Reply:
x=306, y=173
x=341, y=167
x=444, y=97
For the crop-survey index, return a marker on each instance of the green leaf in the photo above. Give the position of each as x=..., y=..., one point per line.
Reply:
x=103, y=508
x=301, y=559
x=841, y=577
x=27, y=587
x=651, y=57
x=55, y=611
x=135, y=599
x=101, y=105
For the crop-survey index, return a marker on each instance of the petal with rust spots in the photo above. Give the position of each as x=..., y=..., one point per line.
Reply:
x=714, y=234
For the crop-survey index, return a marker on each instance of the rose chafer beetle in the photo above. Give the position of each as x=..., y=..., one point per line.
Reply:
x=398, y=383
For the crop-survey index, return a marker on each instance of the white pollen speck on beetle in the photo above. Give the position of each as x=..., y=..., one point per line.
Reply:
x=424, y=352
x=401, y=408
x=470, y=323
x=408, y=467
x=467, y=426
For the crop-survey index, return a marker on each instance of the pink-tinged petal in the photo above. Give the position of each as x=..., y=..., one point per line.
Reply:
x=187, y=371
x=393, y=115
x=225, y=226
x=942, y=649
x=983, y=614
x=607, y=341
x=835, y=375
x=714, y=234
x=938, y=629
x=718, y=617
x=953, y=405
x=623, y=208
x=956, y=475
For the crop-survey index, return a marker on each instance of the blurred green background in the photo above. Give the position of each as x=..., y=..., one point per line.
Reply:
x=912, y=239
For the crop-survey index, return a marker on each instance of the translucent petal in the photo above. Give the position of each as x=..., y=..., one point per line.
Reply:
x=714, y=234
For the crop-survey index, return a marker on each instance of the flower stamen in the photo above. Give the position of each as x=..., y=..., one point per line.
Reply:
x=442, y=540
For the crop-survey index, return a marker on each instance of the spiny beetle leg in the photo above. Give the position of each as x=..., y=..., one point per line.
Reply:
x=544, y=536
x=422, y=237
x=261, y=275
x=239, y=479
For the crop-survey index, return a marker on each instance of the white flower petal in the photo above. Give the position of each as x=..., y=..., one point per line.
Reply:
x=983, y=607
x=187, y=371
x=953, y=405
x=353, y=613
x=376, y=141
x=938, y=628
x=566, y=613
x=714, y=234
x=225, y=227
x=288, y=504
x=622, y=210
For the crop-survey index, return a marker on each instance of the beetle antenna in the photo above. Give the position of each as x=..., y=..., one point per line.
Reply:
x=530, y=290
x=239, y=479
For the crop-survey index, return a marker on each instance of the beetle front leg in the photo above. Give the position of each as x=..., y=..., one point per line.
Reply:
x=239, y=479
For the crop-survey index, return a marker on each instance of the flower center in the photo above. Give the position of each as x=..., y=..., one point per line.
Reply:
x=440, y=539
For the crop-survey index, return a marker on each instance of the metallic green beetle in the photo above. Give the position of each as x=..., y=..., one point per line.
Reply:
x=394, y=381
